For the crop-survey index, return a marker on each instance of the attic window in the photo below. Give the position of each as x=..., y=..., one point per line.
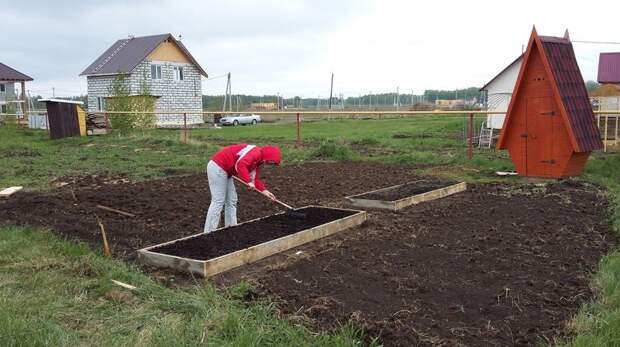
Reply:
x=178, y=73
x=155, y=72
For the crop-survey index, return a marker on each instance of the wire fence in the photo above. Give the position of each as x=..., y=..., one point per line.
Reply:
x=99, y=123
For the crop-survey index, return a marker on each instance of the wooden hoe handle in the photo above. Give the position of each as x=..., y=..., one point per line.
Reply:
x=263, y=194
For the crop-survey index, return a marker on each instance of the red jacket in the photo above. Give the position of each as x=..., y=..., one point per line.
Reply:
x=244, y=161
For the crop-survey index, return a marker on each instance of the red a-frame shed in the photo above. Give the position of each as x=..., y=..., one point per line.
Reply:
x=550, y=128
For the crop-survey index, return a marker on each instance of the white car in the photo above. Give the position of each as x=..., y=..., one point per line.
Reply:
x=242, y=118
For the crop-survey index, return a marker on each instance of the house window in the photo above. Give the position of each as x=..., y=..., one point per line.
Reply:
x=178, y=73
x=156, y=72
x=100, y=103
x=3, y=109
x=2, y=88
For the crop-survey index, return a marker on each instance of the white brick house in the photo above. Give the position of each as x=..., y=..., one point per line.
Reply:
x=159, y=62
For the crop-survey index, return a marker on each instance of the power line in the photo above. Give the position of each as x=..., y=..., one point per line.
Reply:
x=597, y=42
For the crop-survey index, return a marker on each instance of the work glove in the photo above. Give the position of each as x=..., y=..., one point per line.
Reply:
x=251, y=185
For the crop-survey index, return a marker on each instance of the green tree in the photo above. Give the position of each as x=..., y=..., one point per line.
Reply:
x=128, y=111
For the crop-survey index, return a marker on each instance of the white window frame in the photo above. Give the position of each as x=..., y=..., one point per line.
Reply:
x=157, y=71
x=100, y=103
x=178, y=73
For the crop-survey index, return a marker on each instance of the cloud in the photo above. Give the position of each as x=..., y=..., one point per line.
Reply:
x=291, y=47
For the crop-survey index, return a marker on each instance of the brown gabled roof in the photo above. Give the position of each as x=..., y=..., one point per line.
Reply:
x=124, y=55
x=7, y=73
x=569, y=91
x=573, y=92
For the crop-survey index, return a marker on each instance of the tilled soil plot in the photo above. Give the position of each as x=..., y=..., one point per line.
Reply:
x=492, y=266
x=221, y=242
x=172, y=208
x=407, y=190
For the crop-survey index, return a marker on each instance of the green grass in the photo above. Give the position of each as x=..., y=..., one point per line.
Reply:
x=57, y=293
x=54, y=292
x=30, y=159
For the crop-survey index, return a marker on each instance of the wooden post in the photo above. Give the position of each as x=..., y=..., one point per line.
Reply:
x=25, y=100
x=605, y=134
x=616, y=136
x=298, y=129
x=106, y=122
x=184, y=127
x=470, y=137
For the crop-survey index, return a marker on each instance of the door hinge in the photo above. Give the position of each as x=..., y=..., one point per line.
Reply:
x=524, y=135
x=550, y=113
x=548, y=161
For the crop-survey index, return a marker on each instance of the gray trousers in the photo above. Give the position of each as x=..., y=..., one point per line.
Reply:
x=223, y=195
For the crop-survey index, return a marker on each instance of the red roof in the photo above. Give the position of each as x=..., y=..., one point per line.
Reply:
x=7, y=73
x=569, y=89
x=609, y=68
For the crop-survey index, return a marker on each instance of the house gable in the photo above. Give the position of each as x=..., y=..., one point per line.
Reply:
x=168, y=51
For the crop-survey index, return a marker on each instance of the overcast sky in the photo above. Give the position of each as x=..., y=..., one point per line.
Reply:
x=291, y=47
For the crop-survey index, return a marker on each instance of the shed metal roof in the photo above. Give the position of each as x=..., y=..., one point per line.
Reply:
x=609, y=68
x=62, y=101
x=125, y=54
x=7, y=73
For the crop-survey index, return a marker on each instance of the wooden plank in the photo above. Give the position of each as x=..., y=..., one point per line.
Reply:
x=110, y=209
x=5, y=193
x=432, y=195
x=171, y=262
x=263, y=250
x=248, y=255
x=405, y=202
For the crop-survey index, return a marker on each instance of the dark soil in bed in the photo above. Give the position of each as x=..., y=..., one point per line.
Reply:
x=175, y=207
x=493, y=266
x=406, y=190
x=228, y=240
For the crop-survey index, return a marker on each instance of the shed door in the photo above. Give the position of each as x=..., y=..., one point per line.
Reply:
x=539, y=124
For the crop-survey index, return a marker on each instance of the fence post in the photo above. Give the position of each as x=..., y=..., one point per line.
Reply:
x=470, y=137
x=298, y=129
x=616, y=136
x=605, y=133
x=106, y=122
x=184, y=127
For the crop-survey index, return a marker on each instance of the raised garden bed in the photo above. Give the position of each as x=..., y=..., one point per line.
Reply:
x=403, y=195
x=227, y=248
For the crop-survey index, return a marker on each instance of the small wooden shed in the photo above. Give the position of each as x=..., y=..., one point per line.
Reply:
x=550, y=128
x=65, y=118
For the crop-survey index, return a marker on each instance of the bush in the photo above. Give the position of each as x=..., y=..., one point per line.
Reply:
x=332, y=150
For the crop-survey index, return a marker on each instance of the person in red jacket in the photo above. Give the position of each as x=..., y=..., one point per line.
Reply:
x=241, y=160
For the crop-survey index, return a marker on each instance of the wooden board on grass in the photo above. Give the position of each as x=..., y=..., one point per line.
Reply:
x=5, y=193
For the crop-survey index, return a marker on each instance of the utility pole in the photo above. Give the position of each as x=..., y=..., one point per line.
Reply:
x=397, y=98
x=53, y=92
x=331, y=90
